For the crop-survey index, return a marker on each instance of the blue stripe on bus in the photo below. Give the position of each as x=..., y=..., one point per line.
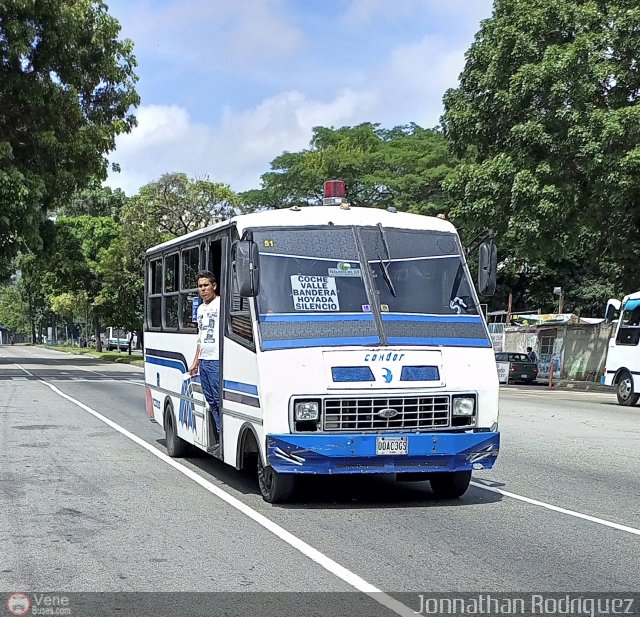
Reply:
x=166, y=362
x=326, y=317
x=321, y=342
x=631, y=304
x=238, y=386
x=440, y=342
x=431, y=318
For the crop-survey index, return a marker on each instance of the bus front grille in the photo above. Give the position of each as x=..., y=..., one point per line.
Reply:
x=379, y=414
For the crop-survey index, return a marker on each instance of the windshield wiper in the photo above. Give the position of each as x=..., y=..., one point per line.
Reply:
x=385, y=271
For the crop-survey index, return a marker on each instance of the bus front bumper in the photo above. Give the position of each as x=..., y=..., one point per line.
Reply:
x=326, y=453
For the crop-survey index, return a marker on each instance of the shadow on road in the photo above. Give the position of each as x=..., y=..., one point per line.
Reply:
x=340, y=492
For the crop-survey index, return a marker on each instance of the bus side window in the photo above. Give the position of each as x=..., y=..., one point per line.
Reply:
x=240, y=315
x=154, y=307
x=171, y=287
x=190, y=264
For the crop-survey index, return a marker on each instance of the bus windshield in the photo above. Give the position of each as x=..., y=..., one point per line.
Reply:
x=314, y=289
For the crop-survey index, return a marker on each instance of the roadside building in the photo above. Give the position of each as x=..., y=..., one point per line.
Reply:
x=577, y=347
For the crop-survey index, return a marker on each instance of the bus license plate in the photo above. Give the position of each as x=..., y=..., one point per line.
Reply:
x=393, y=446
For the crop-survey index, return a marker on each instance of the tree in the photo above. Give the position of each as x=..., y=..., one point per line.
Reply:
x=70, y=306
x=31, y=288
x=402, y=167
x=122, y=294
x=547, y=119
x=75, y=265
x=176, y=204
x=95, y=200
x=13, y=310
x=66, y=91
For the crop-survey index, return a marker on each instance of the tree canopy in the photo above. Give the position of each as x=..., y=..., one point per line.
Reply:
x=176, y=204
x=66, y=91
x=547, y=120
x=402, y=167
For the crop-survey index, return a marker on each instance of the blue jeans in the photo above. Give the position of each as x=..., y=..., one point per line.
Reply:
x=210, y=381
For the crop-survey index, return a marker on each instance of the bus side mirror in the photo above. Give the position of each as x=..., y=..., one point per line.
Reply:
x=488, y=268
x=247, y=262
x=613, y=310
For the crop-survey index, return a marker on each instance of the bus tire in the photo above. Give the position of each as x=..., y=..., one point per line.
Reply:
x=450, y=484
x=624, y=390
x=275, y=487
x=176, y=447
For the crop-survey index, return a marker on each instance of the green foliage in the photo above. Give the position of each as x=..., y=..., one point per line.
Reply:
x=122, y=293
x=402, y=167
x=95, y=200
x=74, y=264
x=13, y=310
x=176, y=204
x=70, y=305
x=547, y=118
x=66, y=90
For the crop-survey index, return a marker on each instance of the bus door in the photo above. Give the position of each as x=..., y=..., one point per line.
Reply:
x=215, y=260
x=240, y=397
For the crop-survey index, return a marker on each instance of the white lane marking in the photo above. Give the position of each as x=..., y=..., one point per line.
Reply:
x=135, y=383
x=306, y=549
x=19, y=379
x=81, y=368
x=25, y=370
x=549, y=506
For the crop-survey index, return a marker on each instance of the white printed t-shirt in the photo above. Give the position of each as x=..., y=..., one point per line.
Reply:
x=209, y=329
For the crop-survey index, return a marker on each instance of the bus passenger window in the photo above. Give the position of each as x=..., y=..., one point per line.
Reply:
x=240, y=316
x=170, y=299
x=155, y=312
x=190, y=265
x=171, y=273
x=171, y=311
x=154, y=291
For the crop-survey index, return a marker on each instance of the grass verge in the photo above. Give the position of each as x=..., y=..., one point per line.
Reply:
x=108, y=356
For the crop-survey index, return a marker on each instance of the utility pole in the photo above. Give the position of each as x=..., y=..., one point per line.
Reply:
x=508, y=319
x=557, y=291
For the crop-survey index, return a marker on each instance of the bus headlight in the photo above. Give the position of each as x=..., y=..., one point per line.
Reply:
x=464, y=406
x=307, y=410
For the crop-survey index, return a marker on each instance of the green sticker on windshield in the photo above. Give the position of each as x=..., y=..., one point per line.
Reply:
x=344, y=268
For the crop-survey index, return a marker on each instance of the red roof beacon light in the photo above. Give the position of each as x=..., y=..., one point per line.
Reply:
x=334, y=193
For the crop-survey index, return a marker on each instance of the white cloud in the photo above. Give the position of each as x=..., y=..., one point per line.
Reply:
x=417, y=75
x=239, y=152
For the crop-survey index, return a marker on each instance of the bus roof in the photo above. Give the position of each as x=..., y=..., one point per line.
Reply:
x=633, y=296
x=317, y=216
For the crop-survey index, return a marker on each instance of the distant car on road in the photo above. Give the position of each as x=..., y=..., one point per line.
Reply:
x=520, y=367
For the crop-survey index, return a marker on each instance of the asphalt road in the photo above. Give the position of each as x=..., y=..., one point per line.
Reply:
x=87, y=506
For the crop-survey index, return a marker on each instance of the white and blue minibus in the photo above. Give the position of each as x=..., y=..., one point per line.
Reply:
x=622, y=367
x=352, y=343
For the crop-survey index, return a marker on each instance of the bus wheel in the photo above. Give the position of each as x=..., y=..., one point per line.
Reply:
x=450, y=484
x=275, y=487
x=176, y=447
x=624, y=391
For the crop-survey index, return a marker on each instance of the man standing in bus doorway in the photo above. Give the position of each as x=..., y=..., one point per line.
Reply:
x=207, y=358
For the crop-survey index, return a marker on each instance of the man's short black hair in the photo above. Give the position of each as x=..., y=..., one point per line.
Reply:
x=207, y=274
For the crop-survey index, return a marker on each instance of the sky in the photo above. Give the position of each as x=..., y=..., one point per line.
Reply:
x=228, y=85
